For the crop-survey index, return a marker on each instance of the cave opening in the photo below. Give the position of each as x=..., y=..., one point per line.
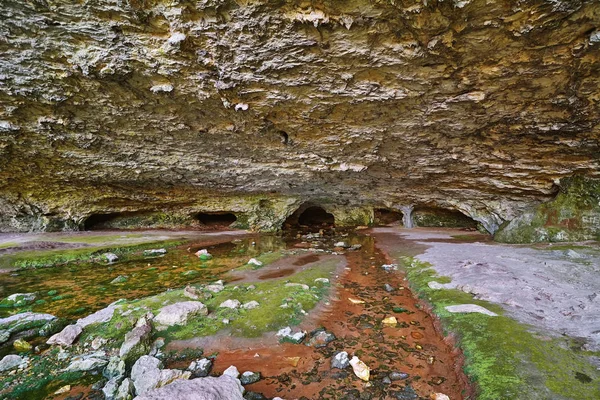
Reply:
x=385, y=216
x=216, y=219
x=105, y=221
x=310, y=216
x=442, y=218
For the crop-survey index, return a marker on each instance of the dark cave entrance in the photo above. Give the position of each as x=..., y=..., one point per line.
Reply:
x=384, y=216
x=106, y=221
x=310, y=216
x=216, y=219
x=442, y=217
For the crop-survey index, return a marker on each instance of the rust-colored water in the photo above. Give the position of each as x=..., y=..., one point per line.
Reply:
x=413, y=346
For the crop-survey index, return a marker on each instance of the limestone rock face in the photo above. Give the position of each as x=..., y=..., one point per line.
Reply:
x=254, y=107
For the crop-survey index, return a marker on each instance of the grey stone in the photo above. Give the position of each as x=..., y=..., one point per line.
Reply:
x=110, y=257
x=86, y=364
x=111, y=387
x=99, y=316
x=115, y=368
x=300, y=285
x=147, y=374
x=178, y=313
x=210, y=388
x=233, y=304
x=200, y=368
x=4, y=336
x=126, y=390
x=286, y=335
x=388, y=288
x=340, y=360
x=249, y=377
x=251, y=305
x=232, y=371
x=137, y=343
x=10, y=361
x=27, y=320
x=470, y=308
x=397, y=376
x=155, y=252
x=67, y=336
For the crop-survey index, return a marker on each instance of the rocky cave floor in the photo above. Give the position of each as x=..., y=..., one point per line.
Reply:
x=427, y=313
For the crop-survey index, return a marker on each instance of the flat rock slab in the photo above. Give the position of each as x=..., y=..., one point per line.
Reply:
x=210, y=388
x=470, y=308
x=67, y=336
x=13, y=322
x=178, y=313
x=98, y=317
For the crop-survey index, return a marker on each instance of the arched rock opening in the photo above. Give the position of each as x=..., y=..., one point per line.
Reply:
x=309, y=215
x=442, y=217
x=216, y=219
x=109, y=220
x=385, y=216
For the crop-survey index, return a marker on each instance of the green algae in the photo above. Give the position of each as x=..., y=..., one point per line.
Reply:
x=7, y=245
x=268, y=316
x=506, y=359
x=51, y=258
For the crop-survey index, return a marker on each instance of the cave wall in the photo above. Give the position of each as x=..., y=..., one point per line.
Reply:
x=211, y=105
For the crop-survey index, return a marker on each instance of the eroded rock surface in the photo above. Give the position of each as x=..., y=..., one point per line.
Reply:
x=254, y=107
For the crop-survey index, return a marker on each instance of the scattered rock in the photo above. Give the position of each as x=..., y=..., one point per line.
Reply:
x=249, y=377
x=215, y=287
x=250, y=305
x=27, y=320
x=64, y=389
x=254, y=261
x=233, y=304
x=210, y=388
x=4, y=336
x=388, y=288
x=203, y=254
x=355, y=301
x=249, y=395
x=435, y=285
x=340, y=360
x=99, y=316
x=155, y=252
x=67, y=336
x=397, y=376
x=390, y=267
x=137, y=343
x=232, y=371
x=86, y=364
x=110, y=257
x=125, y=391
x=200, y=368
x=356, y=247
x=286, y=335
x=390, y=321
x=439, y=396
x=361, y=370
x=110, y=388
x=342, y=245
x=322, y=280
x=10, y=361
x=147, y=374
x=119, y=279
x=320, y=338
x=191, y=292
x=470, y=308
x=407, y=393
x=22, y=346
x=115, y=368
x=301, y=285
x=18, y=300
x=178, y=313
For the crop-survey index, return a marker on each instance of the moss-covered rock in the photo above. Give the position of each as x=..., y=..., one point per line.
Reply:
x=573, y=215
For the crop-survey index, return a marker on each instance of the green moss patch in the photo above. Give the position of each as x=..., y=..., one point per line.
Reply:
x=506, y=359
